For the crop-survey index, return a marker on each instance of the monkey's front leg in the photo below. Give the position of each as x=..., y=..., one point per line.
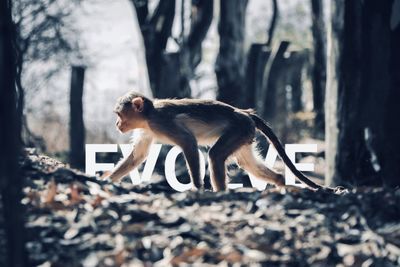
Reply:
x=139, y=153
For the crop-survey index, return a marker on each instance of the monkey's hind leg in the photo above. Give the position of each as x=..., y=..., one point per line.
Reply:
x=249, y=162
x=226, y=145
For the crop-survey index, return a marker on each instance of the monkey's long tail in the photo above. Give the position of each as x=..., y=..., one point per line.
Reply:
x=273, y=139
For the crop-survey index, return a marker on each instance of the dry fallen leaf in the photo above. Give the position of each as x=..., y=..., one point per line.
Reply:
x=97, y=201
x=51, y=192
x=188, y=257
x=75, y=195
x=231, y=257
x=33, y=197
x=119, y=258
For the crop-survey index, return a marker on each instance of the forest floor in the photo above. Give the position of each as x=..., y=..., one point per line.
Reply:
x=76, y=220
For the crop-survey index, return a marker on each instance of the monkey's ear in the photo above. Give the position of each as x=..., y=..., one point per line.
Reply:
x=138, y=104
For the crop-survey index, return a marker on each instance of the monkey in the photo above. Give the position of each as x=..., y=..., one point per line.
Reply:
x=189, y=123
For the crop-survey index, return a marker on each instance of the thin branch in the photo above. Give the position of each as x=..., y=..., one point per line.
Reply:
x=274, y=19
x=202, y=15
x=142, y=11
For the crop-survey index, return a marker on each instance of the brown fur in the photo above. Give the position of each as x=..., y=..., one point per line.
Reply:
x=190, y=122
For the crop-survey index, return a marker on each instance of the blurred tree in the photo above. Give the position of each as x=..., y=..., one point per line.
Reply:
x=271, y=102
x=267, y=102
x=170, y=72
x=156, y=29
x=230, y=63
x=41, y=34
x=257, y=59
x=318, y=64
x=294, y=71
x=363, y=89
x=76, y=124
x=190, y=47
x=10, y=125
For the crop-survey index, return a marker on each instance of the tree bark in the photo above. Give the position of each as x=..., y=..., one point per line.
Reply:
x=156, y=30
x=77, y=126
x=201, y=18
x=271, y=103
x=230, y=63
x=294, y=72
x=171, y=76
x=266, y=103
x=391, y=145
x=172, y=80
x=318, y=64
x=256, y=60
x=10, y=124
x=362, y=142
x=190, y=48
x=335, y=31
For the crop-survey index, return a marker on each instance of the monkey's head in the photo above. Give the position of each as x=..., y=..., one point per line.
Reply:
x=132, y=110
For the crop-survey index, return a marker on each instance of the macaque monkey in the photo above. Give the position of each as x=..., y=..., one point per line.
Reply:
x=189, y=123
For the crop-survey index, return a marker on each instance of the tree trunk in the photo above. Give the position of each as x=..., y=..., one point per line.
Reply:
x=230, y=63
x=10, y=137
x=272, y=104
x=201, y=18
x=318, y=64
x=156, y=30
x=363, y=91
x=170, y=76
x=335, y=30
x=190, y=52
x=77, y=126
x=294, y=72
x=391, y=145
x=257, y=59
x=266, y=102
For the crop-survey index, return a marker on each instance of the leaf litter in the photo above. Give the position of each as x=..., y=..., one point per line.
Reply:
x=77, y=220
